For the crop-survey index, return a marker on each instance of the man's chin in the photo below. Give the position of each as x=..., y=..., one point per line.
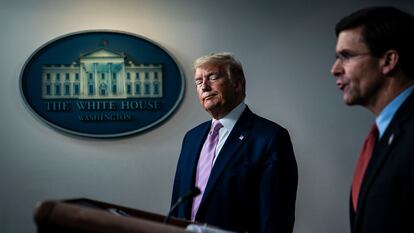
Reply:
x=349, y=102
x=209, y=107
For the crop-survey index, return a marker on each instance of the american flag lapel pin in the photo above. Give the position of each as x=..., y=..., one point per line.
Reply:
x=390, y=139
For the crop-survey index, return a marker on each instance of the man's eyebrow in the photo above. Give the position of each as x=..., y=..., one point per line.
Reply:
x=208, y=74
x=344, y=51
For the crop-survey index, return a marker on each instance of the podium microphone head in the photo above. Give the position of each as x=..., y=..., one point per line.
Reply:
x=190, y=194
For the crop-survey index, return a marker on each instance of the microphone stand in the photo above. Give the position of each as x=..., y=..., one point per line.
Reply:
x=191, y=194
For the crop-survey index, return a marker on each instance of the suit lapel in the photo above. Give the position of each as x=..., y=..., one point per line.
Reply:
x=198, y=139
x=383, y=149
x=381, y=152
x=236, y=139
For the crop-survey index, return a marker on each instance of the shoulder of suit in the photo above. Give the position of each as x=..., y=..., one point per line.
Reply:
x=199, y=127
x=261, y=121
x=264, y=126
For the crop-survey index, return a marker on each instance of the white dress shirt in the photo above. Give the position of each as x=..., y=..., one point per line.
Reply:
x=228, y=123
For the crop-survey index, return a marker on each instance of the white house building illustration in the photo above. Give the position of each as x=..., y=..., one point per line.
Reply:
x=102, y=74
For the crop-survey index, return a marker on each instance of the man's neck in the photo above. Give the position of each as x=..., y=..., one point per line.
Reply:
x=390, y=92
x=222, y=112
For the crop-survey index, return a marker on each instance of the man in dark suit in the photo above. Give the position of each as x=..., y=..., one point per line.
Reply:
x=375, y=68
x=251, y=179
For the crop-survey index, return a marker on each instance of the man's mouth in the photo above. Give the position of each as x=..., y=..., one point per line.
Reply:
x=341, y=85
x=207, y=97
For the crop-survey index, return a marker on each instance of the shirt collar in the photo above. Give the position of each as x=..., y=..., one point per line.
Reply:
x=230, y=119
x=386, y=115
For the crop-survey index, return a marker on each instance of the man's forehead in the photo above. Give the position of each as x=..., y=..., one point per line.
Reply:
x=208, y=68
x=350, y=39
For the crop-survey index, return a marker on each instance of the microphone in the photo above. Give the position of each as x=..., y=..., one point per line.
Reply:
x=190, y=194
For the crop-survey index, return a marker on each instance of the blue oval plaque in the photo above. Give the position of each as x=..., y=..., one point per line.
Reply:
x=102, y=84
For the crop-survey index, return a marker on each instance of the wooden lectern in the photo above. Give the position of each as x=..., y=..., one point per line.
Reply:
x=90, y=216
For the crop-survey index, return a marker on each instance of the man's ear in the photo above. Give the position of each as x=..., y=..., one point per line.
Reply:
x=239, y=84
x=389, y=61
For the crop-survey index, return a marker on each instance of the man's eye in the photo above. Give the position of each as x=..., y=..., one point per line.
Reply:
x=344, y=56
x=347, y=55
x=198, y=82
x=213, y=77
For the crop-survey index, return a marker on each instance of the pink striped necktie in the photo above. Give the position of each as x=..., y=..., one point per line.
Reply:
x=205, y=164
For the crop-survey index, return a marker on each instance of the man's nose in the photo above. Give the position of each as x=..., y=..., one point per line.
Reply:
x=337, y=68
x=205, y=84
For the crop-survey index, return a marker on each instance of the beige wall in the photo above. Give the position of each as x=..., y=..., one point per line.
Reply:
x=287, y=48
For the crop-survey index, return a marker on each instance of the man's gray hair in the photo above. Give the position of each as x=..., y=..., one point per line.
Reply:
x=227, y=60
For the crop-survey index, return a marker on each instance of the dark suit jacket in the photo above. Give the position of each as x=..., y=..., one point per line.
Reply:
x=386, y=199
x=252, y=186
